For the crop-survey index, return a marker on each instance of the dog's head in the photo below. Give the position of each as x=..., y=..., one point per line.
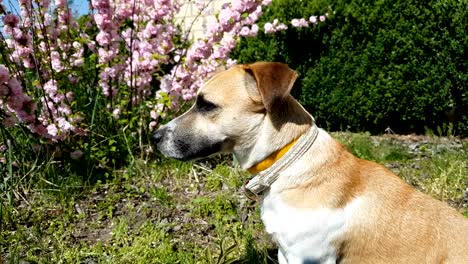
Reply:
x=230, y=112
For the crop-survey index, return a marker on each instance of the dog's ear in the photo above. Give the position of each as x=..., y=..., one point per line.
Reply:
x=274, y=81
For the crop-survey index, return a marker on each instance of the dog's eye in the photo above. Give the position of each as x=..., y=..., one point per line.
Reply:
x=204, y=105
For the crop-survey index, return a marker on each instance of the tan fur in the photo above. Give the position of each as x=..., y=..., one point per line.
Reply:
x=396, y=224
x=400, y=219
x=274, y=81
x=402, y=224
x=236, y=92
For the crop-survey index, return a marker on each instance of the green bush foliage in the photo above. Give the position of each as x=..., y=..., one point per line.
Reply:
x=401, y=64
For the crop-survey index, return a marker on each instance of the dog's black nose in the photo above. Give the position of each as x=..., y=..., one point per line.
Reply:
x=157, y=136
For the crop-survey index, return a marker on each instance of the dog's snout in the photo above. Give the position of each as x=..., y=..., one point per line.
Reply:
x=158, y=136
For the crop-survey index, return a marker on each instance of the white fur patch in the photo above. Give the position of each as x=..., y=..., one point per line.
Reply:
x=306, y=236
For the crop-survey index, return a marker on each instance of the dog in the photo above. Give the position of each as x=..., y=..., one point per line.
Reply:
x=320, y=203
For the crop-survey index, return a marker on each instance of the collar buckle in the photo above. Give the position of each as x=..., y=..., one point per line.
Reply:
x=254, y=188
x=250, y=195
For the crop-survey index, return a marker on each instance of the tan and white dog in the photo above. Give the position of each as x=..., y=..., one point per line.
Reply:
x=319, y=202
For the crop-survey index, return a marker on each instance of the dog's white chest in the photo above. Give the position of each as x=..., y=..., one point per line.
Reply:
x=305, y=235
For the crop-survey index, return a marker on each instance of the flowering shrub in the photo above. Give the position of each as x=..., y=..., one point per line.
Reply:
x=36, y=51
x=95, y=86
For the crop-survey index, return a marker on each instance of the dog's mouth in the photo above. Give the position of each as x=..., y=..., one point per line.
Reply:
x=186, y=148
x=185, y=151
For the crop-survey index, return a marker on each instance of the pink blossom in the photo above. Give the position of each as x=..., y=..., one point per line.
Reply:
x=116, y=113
x=4, y=91
x=238, y=5
x=154, y=114
x=15, y=87
x=69, y=96
x=187, y=96
x=99, y=19
x=152, y=125
x=253, y=17
x=63, y=124
x=23, y=51
x=47, y=19
x=43, y=3
x=269, y=28
x=200, y=50
x=39, y=129
x=322, y=18
x=78, y=62
x=60, y=3
x=10, y=20
x=299, y=22
x=295, y=22
x=72, y=78
x=28, y=63
x=56, y=61
x=4, y=74
x=103, y=38
x=52, y=130
x=15, y=103
x=50, y=87
x=281, y=27
x=9, y=121
x=313, y=19
x=254, y=30
x=104, y=55
x=100, y=4
x=245, y=31
x=10, y=43
x=230, y=62
x=64, y=109
x=228, y=16
x=24, y=116
x=92, y=45
x=214, y=27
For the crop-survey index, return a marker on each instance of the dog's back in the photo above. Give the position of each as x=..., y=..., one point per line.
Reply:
x=400, y=223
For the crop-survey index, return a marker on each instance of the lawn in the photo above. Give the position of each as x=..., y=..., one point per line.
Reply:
x=164, y=211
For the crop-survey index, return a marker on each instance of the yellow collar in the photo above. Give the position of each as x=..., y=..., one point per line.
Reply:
x=275, y=156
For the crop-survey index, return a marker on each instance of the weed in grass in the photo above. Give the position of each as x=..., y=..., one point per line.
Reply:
x=444, y=130
x=363, y=146
x=162, y=196
x=255, y=254
x=231, y=176
x=221, y=207
x=225, y=255
x=214, y=182
x=443, y=176
x=151, y=245
x=121, y=232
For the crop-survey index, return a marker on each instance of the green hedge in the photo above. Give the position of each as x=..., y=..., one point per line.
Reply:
x=401, y=64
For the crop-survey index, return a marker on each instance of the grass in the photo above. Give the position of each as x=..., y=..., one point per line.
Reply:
x=166, y=211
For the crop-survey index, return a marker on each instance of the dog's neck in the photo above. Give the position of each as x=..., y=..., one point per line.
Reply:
x=270, y=160
x=275, y=136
